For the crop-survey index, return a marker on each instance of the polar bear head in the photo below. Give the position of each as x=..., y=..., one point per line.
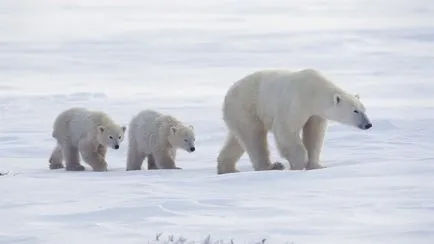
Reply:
x=182, y=136
x=111, y=135
x=349, y=110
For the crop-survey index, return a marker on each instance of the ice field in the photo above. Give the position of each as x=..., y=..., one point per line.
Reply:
x=180, y=57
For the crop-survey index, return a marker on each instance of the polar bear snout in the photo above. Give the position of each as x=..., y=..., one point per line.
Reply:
x=366, y=123
x=116, y=146
x=189, y=147
x=367, y=126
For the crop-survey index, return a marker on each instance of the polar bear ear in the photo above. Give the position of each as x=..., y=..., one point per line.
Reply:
x=173, y=129
x=337, y=99
x=123, y=128
x=191, y=127
x=357, y=96
x=101, y=128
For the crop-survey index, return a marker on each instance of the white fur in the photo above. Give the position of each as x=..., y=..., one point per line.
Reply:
x=157, y=136
x=285, y=103
x=78, y=130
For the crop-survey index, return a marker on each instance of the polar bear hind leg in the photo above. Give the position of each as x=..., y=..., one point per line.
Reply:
x=151, y=162
x=313, y=139
x=229, y=155
x=56, y=158
x=134, y=157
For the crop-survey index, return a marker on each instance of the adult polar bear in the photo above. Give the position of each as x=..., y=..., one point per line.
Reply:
x=284, y=103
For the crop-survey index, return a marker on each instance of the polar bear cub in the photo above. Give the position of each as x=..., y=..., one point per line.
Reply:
x=89, y=133
x=285, y=103
x=157, y=136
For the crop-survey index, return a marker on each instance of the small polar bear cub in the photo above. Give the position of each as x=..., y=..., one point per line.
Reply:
x=288, y=104
x=157, y=136
x=89, y=133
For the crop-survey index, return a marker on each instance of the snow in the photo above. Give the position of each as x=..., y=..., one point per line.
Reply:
x=180, y=58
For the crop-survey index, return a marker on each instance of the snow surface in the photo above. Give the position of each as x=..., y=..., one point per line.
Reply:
x=180, y=57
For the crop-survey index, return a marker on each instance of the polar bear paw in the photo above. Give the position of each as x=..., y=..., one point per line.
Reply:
x=221, y=171
x=56, y=166
x=277, y=166
x=100, y=167
x=311, y=166
x=75, y=168
x=55, y=163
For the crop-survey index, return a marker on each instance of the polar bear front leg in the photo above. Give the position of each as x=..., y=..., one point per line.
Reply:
x=254, y=138
x=163, y=159
x=102, y=150
x=91, y=156
x=72, y=158
x=153, y=165
x=313, y=138
x=291, y=148
x=172, y=153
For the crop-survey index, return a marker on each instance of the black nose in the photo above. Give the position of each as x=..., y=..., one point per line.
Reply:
x=116, y=146
x=192, y=149
x=367, y=126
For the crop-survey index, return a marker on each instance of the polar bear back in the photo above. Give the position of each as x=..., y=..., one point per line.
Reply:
x=77, y=123
x=149, y=129
x=270, y=93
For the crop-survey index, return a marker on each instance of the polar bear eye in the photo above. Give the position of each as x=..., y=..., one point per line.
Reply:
x=111, y=137
x=355, y=111
x=120, y=137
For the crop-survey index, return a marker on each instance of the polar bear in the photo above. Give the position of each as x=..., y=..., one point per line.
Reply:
x=284, y=103
x=89, y=133
x=157, y=136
